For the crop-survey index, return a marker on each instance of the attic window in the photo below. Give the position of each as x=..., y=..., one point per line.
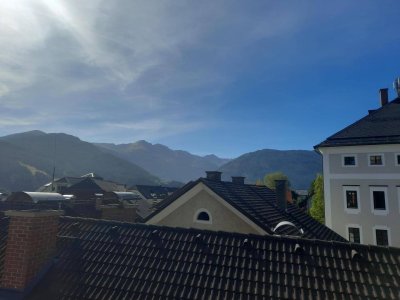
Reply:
x=203, y=216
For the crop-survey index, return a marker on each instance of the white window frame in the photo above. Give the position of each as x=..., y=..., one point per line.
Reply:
x=382, y=227
x=395, y=159
x=379, y=212
x=354, y=226
x=351, y=210
x=349, y=166
x=196, y=215
x=376, y=154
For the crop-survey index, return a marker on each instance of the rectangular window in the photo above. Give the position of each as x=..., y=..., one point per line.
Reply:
x=351, y=199
x=382, y=237
x=398, y=159
x=379, y=200
x=349, y=160
x=375, y=160
x=354, y=235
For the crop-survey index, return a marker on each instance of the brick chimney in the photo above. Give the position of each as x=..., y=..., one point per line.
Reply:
x=31, y=244
x=214, y=175
x=281, y=193
x=238, y=179
x=384, y=96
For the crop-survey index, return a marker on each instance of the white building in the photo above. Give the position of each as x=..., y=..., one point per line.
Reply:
x=361, y=166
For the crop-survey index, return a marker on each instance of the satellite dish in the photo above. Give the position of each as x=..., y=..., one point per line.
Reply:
x=287, y=223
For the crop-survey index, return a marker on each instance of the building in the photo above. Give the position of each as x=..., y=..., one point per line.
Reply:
x=46, y=256
x=212, y=204
x=361, y=166
x=154, y=194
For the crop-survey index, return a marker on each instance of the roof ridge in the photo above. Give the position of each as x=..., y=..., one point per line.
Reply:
x=228, y=233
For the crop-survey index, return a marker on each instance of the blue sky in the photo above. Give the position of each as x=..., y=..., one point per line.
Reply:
x=222, y=77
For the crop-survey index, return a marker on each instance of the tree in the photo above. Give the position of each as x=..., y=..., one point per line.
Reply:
x=317, y=210
x=269, y=179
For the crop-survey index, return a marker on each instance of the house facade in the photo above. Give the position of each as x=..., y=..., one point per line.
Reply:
x=361, y=166
x=233, y=206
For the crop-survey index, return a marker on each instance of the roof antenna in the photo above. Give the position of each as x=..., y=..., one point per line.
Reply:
x=396, y=86
x=54, y=163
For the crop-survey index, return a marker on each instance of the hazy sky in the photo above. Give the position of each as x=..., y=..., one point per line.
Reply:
x=223, y=77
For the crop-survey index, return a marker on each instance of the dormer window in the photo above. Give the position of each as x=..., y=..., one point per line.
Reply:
x=203, y=216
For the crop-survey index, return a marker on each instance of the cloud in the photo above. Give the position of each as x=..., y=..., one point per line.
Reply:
x=145, y=67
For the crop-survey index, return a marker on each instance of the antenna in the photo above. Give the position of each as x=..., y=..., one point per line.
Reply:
x=396, y=86
x=54, y=162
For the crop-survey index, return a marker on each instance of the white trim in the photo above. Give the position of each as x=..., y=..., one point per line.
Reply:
x=382, y=227
x=398, y=196
x=361, y=149
x=352, y=210
x=327, y=190
x=193, y=192
x=376, y=154
x=355, y=160
x=379, y=212
x=354, y=226
x=196, y=216
x=385, y=176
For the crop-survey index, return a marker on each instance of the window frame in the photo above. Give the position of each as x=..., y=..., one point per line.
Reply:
x=381, y=227
x=198, y=212
x=381, y=212
x=349, y=155
x=351, y=210
x=396, y=162
x=376, y=154
x=348, y=226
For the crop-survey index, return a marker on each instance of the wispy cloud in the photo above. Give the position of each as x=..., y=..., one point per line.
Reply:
x=148, y=68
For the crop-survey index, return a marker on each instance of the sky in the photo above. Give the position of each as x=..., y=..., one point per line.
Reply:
x=221, y=77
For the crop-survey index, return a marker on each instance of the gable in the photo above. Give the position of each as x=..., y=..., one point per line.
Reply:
x=182, y=213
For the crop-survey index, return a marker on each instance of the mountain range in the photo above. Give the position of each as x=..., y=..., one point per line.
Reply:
x=27, y=160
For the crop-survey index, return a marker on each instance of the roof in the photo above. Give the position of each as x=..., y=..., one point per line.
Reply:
x=380, y=126
x=154, y=191
x=258, y=203
x=35, y=197
x=112, y=260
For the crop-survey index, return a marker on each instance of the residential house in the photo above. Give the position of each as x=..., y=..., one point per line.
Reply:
x=212, y=204
x=45, y=256
x=154, y=194
x=361, y=167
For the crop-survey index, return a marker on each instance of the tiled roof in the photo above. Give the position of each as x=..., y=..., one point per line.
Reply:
x=258, y=203
x=381, y=126
x=154, y=191
x=112, y=260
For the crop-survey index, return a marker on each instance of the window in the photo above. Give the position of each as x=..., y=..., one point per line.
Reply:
x=351, y=199
x=349, y=161
x=202, y=216
x=351, y=195
x=375, y=160
x=397, y=158
x=382, y=237
x=379, y=201
x=354, y=235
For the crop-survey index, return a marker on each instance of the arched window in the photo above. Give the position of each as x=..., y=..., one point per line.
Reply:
x=202, y=216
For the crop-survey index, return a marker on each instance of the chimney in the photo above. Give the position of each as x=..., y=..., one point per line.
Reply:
x=214, y=175
x=384, y=97
x=396, y=86
x=281, y=193
x=31, y=244
x=238, y=179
